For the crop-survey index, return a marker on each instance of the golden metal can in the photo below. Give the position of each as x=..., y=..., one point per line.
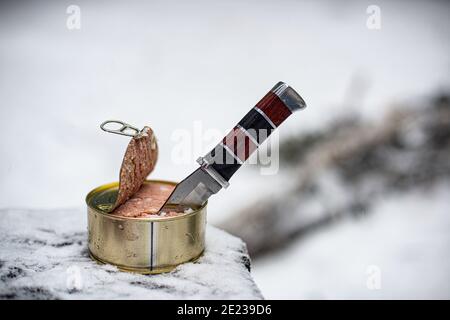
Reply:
x=144, y=245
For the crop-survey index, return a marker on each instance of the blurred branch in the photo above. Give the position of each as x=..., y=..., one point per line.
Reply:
x=342, y=170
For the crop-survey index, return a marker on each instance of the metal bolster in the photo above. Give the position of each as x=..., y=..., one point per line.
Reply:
x=212, y=172
x=289, y=96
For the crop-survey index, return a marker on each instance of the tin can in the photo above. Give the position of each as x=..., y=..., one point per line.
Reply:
x=144, y=245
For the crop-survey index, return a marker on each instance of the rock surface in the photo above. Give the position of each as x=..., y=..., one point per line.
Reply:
x=43, y=255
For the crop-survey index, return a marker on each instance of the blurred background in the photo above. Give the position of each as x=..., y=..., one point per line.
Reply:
x=360, y=206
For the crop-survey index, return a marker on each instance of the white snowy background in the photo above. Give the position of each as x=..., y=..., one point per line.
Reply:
x=169, y=64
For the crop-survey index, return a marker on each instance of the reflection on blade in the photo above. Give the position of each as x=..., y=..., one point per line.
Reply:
x=194, y=190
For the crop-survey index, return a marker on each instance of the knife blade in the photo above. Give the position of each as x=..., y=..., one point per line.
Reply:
x=219, y=165
x=194, y=190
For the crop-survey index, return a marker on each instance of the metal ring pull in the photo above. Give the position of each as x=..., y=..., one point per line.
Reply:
x=124, y=130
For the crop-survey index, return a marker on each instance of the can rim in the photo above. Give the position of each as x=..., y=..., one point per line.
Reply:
x=110, y=185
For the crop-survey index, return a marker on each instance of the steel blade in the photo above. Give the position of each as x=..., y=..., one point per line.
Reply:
x=194, y=190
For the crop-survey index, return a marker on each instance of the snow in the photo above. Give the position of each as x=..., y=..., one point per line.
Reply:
x=43, y=255
x=405, y=237
x=168, y=64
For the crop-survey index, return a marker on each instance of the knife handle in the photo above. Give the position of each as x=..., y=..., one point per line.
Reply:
x=257, y=125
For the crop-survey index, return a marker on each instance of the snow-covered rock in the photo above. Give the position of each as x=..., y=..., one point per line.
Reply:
x=43, y=255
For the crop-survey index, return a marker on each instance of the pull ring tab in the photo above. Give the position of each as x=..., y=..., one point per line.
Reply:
x=125, y=129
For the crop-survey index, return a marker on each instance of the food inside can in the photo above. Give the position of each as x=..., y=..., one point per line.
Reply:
x=134, y=198
x=145, y=203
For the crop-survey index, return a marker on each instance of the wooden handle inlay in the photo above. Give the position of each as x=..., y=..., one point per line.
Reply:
x=257, y=125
